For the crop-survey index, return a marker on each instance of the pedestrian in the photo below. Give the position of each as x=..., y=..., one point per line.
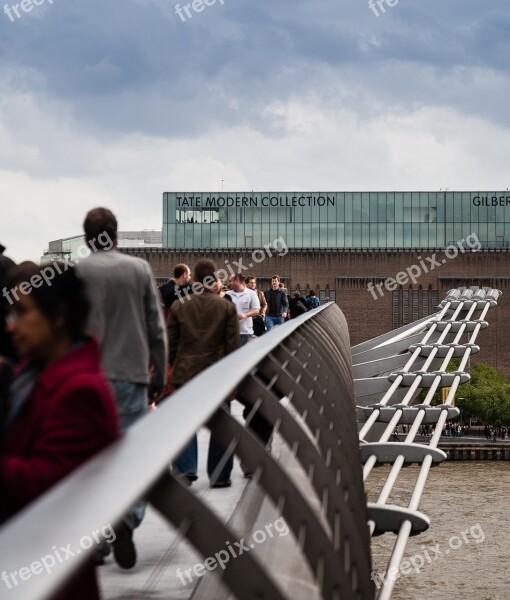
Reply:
x=251, y=283
x=247, y=305
x=259, y=321
x=297, y=305
x=277, y=304
x=127, y=319
x=201, y=332
x=61, y=410
x=175, y=287
x=312, y=301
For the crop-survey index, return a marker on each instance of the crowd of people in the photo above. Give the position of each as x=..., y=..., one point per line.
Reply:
x=85, y=355
x=494, y=433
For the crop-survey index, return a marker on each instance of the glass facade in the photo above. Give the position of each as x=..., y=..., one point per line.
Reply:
x=334, y=219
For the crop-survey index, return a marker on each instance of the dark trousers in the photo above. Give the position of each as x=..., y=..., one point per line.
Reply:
x=258, y=424
x=187, y=461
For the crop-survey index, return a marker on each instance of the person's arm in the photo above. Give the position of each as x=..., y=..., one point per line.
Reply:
x=250, y=313
x=232, y=337
x=263, y=304
x=156, y=334
x=285, y=304
x=174, y=335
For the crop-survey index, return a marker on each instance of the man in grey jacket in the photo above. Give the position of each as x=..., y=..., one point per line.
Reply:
x=127, y=318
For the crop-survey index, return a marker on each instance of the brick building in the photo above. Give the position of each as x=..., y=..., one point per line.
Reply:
x=387, y=258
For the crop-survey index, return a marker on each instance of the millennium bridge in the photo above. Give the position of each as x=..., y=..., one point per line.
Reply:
x=301, y=527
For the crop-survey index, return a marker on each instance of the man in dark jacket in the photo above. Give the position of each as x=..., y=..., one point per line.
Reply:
x=201, y=331
x=277, y=304
x=297, y=305
x=178, y=285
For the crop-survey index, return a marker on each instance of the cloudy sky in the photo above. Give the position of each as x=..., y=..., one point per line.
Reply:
x=113, y=102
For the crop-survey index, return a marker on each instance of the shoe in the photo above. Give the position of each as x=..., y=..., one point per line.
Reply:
x=124, y=550
x=246, y=471
x=221, y=484
x=101, y=554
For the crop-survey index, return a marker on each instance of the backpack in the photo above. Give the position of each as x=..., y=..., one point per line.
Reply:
x=314, y=303
x=259, y=325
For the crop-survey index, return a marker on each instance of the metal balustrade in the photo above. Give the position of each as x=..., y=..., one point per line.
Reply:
x=391, y=370
x=300, y=378
x=306, y=363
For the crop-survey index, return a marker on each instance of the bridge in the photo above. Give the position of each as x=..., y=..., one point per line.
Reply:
x=301, y=527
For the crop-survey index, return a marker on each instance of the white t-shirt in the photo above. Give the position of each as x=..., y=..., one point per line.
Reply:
x=244, y=302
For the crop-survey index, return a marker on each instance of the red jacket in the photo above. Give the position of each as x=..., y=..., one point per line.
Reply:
x=68, y=417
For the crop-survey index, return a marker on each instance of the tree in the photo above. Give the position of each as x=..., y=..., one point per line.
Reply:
x=486, y=395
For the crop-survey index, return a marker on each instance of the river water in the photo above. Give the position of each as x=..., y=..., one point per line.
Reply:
x=464, y=555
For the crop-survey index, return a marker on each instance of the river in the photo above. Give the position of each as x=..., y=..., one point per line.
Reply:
x=464, y=553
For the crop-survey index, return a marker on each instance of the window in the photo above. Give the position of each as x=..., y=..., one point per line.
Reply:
x=411, y=305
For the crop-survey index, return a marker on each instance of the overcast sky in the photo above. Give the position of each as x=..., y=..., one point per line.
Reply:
x=113, y=102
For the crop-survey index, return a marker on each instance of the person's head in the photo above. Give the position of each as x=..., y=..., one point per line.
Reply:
x=100, y=228
x=182, y=274
x=296, y=294
x=275, y=282
x=236, y=282
x=311, y=293
x=51, y=312
x=205, y=273
x=251, y=283
x=327, y=299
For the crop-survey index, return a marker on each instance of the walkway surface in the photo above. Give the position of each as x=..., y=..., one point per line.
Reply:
x=164, y=556
x=161, y=550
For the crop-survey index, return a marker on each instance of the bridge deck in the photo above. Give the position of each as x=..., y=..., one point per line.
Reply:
x=161, y=550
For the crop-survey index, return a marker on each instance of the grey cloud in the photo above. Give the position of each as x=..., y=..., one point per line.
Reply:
x=125, y=66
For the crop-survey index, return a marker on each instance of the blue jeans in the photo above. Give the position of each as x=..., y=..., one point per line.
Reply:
x=187, y=461
x=245, y=338
x=271, y=321
x=132, y=405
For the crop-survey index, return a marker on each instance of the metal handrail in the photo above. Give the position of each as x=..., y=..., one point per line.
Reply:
x=455, y=315
x=102, y=490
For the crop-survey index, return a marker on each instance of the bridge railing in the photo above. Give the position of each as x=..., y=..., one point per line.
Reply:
x=307, y=363
x=392, y=370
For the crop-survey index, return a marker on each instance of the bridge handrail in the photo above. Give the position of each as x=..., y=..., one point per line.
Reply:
x=102, y=490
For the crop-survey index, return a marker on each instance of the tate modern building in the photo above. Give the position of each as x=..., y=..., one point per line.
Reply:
x=387, y=258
